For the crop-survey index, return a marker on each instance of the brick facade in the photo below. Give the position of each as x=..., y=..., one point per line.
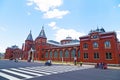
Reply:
x=97, y=46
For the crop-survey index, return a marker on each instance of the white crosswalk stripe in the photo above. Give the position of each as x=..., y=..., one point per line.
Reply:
x=27, y=72
x=35, y=71
x=8, y=76
x=17, y=73
x=31, y=72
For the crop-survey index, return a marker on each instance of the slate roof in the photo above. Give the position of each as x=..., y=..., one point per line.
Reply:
x=30, y=37
x=42, y=33
x=72, y=43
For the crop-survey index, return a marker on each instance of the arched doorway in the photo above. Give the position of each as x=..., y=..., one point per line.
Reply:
x=31, y=55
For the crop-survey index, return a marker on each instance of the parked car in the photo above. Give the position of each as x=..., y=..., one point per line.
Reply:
x=48, y=63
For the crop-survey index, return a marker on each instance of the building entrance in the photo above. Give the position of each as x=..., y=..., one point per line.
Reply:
x=30, y=56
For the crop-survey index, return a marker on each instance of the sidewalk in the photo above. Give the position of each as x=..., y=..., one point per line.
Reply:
x=72, y=64
x=112, y=67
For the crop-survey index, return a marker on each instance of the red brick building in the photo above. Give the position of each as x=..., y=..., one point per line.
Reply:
x=100, y=46
x=43, y=49
x=97, y=46
x=13, y=52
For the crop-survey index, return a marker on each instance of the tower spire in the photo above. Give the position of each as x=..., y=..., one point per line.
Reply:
x=43, y=27
x=30, y=36
x=42, y=33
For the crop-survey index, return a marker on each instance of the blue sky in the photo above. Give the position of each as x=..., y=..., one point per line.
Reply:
x=60, y=18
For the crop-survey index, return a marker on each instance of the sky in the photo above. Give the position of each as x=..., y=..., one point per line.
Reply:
x=60, y=18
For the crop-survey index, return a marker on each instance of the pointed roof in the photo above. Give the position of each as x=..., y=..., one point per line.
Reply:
x=30, y=37
x=42, y=33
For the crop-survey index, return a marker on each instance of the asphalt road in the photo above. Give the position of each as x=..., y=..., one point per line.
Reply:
x=86, y=74
x=11, y=64
x=61, y=72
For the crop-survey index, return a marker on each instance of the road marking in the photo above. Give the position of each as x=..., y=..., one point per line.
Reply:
x=43, y=70
x=48, y=71
x=26, y=72
x=35, y=71
x=8, y=76
x=16, y=73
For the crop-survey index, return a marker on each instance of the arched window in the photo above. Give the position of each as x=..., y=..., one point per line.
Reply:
x=46, y=55
x=95, y=45
x=55, y=54
x=61, y=54
x=79, y=53
x=85, y=45
x=66, y=54
x=50, y=54
x=73, y=53
x=107, y=44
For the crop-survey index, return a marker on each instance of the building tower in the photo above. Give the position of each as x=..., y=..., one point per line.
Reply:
x=40, y=44
x=29, y=43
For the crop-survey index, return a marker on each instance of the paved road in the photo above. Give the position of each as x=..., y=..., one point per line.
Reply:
x=85, y=74
x=11, y=64
x=25, y=70
x=37, y=71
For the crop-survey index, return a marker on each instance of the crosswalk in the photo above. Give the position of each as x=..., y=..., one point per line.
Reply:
x=23, y=73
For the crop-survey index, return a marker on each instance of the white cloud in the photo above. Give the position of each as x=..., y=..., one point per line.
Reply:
x=30, y=2
x=53, y=25
x=49, y=8
x=118, y=5
x=63, y=33
x=55, y=14
x=46, y=5
x=36, y=8
x=118, y=35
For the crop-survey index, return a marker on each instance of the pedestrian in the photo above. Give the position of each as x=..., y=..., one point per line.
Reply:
x=75, y=60
x=101, y=65
x=29, y=60
x=97, y=65
x=104, y=65
x=81, y=63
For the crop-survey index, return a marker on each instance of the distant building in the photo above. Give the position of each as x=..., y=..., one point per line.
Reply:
x=13, y=52
x=97, y=46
